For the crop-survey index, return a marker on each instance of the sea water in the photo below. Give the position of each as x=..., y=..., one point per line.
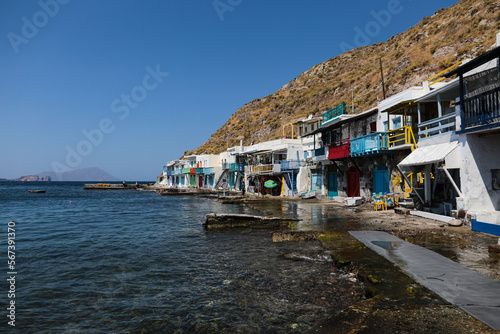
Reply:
x=134, y=261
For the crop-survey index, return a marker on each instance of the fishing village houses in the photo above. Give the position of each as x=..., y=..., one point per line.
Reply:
x=433, y=147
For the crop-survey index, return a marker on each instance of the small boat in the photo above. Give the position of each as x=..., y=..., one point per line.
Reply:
x=37, y=191
x=308, y=194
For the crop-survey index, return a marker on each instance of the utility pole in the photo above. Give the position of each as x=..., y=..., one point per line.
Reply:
x=352, y=91
x=382, y=75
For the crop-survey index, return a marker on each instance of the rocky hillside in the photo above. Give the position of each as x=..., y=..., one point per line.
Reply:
x=464, y=30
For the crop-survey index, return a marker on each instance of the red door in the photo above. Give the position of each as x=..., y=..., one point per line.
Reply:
x=200, y=181
x=353, y=182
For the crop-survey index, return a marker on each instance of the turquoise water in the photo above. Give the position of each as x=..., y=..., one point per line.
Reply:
x=134, y=261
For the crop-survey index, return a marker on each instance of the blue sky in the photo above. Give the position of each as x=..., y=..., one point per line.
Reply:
x=129, y=85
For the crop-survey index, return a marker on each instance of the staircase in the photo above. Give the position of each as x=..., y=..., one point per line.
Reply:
x=289, y=179
x=224, y=175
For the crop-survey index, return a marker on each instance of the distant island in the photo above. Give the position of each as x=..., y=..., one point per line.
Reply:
x=83, y=174
x=32, y=178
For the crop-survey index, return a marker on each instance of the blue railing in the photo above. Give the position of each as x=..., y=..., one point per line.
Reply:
x=369, y=144
x=208, y=170
x=482, y=110
x=291, y=164
x=332, y=113
x=437, y=126
x=234, y=167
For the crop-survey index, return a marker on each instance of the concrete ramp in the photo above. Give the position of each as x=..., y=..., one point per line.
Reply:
x=475, y=293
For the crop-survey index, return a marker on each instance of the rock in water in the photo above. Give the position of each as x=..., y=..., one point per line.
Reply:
x=282, y=236
x=494, y=248
x=455, y=222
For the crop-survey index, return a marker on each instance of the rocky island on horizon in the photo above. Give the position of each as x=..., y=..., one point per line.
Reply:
x=83, y=174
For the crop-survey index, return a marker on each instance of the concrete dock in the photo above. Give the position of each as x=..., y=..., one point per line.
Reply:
x=473, y=292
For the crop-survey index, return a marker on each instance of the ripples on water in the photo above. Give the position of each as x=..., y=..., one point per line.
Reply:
x=134, y=261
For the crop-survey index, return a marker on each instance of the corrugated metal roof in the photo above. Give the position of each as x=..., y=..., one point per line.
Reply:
x=429, y=154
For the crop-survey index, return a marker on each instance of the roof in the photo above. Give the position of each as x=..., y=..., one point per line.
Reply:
x=408, y=95
x=429, y=154
x=478, y=61
x=448, y=93
x=343, y=120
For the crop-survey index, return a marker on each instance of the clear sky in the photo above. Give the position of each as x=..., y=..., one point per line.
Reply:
x=129, y=85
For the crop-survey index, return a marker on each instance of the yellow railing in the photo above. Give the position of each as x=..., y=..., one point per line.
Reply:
x=408, y=187
x=442, y=72
x=402, y=136
x=292, y=124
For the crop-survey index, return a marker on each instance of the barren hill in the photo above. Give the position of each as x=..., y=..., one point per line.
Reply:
x=464, y=30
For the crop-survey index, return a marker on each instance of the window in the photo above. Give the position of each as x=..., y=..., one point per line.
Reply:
x=312, y=127
x=396, y=122
x=386, y=126
x=373, y=127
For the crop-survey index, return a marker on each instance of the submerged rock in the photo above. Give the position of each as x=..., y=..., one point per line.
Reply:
x=312, y=256
x=282, y=236
x=494, y=248
x=220, y=221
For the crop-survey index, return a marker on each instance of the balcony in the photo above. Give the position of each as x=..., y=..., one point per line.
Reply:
x=225, y=166
x=437, y=126
x=369, y=144
x=199, y=170
x=333, y=113
x=291, y=164
x=234, y=167
x=340, y=149
x=481, y=113
x=169, y=173
x=263, y=169
x=186, y=170
x=401, y=138
x=208, y=170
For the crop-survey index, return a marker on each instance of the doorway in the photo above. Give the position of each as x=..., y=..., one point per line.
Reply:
x=353, y=182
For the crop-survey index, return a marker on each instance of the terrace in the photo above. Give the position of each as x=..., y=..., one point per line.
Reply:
x=339, y=149
x=437, y=126
x=373, y=143
x=291, y=164
x=479, y=93
x=332, y=114
x=264, y=169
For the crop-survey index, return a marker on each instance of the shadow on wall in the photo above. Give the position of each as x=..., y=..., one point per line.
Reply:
x=486, y=166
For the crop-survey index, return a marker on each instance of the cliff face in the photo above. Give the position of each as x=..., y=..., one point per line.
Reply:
x=463, y=30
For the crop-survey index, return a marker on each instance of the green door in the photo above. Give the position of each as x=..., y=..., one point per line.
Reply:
x=332, y=185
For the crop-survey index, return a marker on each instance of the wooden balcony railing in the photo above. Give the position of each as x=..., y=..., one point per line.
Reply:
x=340, y=149
x=482, y=110
x=437, y=126
x=369, y=144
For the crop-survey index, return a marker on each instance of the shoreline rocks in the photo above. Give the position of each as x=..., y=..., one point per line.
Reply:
x=221, y=221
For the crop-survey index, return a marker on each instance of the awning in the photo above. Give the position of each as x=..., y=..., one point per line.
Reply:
x=429, y=154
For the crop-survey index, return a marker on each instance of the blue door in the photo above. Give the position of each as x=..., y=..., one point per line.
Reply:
x=332, y=185
x=381, y=179
x=316, y=182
